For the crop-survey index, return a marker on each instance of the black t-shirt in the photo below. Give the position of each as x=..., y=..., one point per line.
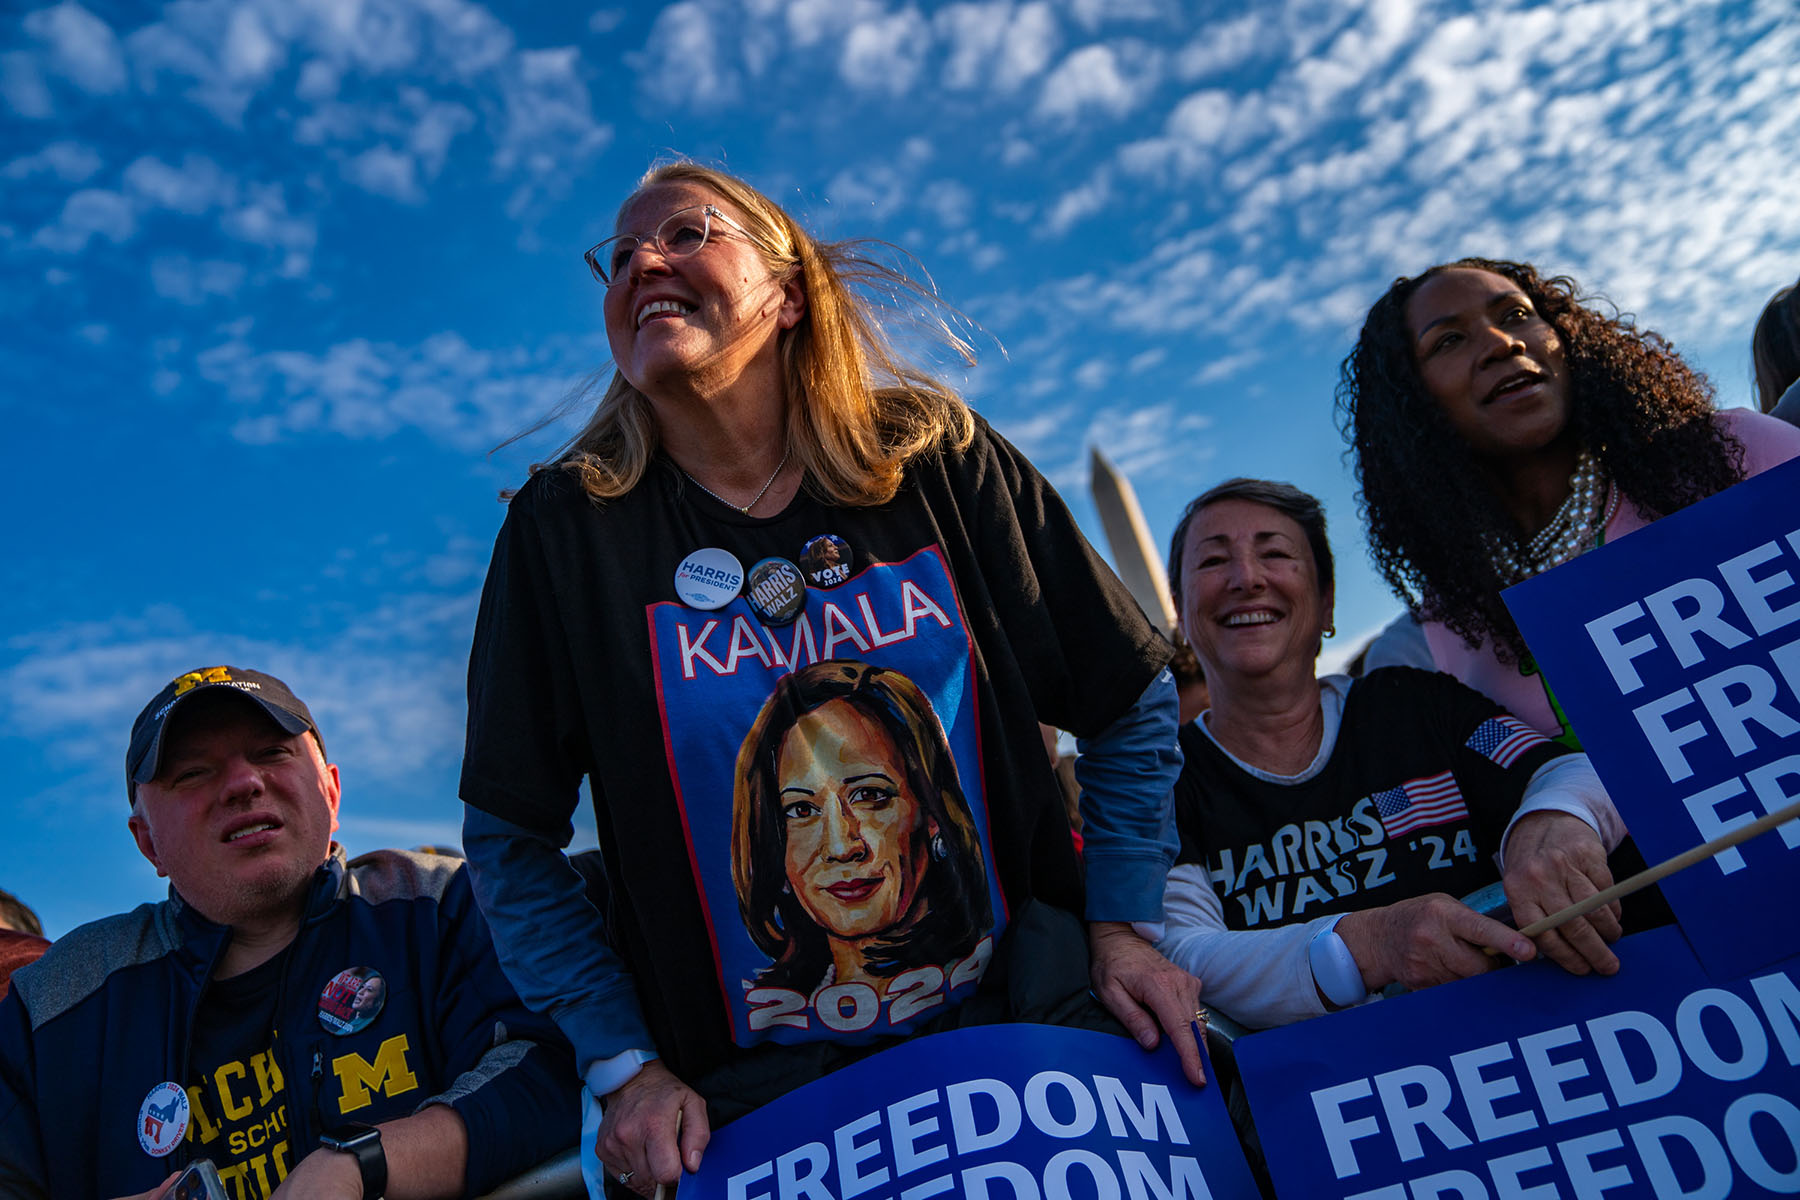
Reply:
x=237, y=1097
x=972, y=585
x=1417, y=791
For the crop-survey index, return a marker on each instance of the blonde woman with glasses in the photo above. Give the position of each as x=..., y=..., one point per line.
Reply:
x=768, y=487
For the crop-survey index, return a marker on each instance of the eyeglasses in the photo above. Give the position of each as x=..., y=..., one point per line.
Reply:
x=682, y=234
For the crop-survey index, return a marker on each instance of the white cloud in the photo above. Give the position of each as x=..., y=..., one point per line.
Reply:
x=459, y=395
x=263, y=219
x=1077, y=205
x=1222, y=46
x=950, y=201
x=1147, y=360
x=80, y=45
x=550, y=131
x=196, y=187
x=250, y=53
x=684, y=62
x=1107, y=79
x=869, y=194
x=436, y=126
x=180, y=278
x=386, y=172
x=70, y=162
x=885, y=54
x=1220, y=369
x=89, y=213
x=996, y=44
x=387, y=693
x=1091, y=14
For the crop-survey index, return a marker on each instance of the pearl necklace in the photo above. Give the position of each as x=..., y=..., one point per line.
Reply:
x=743, y=508
x=1571, y=530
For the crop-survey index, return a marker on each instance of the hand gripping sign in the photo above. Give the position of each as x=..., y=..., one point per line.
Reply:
x=1675, y=652
x=1528, y=1083
x=998, y=1112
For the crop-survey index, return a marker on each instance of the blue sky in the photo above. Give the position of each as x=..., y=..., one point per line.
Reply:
x=278, y=274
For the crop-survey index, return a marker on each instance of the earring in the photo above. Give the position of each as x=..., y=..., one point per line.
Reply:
x=939, y=850
x=786, y=889
x=1331, y=631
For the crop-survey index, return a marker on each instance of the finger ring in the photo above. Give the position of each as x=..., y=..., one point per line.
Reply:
x=1201, y=1015
x=625, y=1176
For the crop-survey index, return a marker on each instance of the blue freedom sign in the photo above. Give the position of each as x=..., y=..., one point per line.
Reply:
x=997, y=1112
x=1529, y=1083
x=1675, y=652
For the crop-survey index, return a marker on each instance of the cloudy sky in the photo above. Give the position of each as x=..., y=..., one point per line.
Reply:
x=279, y=274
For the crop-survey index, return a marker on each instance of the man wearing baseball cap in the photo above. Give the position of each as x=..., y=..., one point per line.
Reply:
x=310, y=1026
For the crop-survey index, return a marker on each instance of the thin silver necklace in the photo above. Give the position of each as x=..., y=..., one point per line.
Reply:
x=743, y=508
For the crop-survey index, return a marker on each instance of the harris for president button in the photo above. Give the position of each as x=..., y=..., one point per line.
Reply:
x=709, y=578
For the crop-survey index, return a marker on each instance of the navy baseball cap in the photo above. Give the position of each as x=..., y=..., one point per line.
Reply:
x=144, y=758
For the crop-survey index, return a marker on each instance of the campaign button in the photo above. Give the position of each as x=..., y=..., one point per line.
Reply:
x=162, y=1119
x=351, y=1000
x=826, y=560
x=709, y=578
x=776, y=591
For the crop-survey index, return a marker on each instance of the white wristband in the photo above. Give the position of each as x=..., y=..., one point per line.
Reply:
x=1334, y=969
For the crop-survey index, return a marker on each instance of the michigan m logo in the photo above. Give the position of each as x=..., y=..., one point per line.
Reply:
x=389, y=1074
x=194, y=679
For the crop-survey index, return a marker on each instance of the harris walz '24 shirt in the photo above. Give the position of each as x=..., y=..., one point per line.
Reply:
x=1418, y=789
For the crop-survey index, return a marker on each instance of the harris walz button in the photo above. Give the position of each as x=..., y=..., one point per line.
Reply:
x=776, y=591
x=709, y=578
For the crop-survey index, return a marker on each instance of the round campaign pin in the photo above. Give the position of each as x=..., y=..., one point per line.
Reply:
x=826, y=560
x=776, y=591
x=709, y=578
x=162, y=1119
x=351, y=1000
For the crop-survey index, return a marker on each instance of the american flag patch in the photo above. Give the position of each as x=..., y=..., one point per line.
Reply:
x=1504, y=739
x=1433, y=800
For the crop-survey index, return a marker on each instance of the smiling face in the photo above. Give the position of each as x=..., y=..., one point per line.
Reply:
x=1250, y=600
x=857, y=838
x=1490, y=361
x=699, y=322
x=241, y=812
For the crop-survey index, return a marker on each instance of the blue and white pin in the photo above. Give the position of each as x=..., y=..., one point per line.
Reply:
x=709, y=578
x=162, y=1119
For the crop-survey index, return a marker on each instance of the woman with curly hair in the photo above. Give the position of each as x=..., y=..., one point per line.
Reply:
x=1501, y=426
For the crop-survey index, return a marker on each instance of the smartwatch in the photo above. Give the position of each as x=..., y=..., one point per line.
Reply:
x=363, y=1141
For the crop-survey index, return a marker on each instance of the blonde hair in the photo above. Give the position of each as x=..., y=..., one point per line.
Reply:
x=858, y=412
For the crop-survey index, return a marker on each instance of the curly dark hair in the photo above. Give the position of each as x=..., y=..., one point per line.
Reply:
x=1633, y=403
x=1775, y=347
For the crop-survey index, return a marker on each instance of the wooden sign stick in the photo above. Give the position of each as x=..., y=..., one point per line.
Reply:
x=662, y=1188
x=1667, y=867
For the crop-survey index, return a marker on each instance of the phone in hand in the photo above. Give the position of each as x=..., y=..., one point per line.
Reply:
x=199, y=1182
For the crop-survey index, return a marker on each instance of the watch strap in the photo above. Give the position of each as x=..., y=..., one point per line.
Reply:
x=364, y=1142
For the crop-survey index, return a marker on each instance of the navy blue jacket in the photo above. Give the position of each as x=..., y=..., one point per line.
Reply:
x=107, y=1014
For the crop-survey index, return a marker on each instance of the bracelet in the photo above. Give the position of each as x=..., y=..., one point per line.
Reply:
x=1334, y=969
